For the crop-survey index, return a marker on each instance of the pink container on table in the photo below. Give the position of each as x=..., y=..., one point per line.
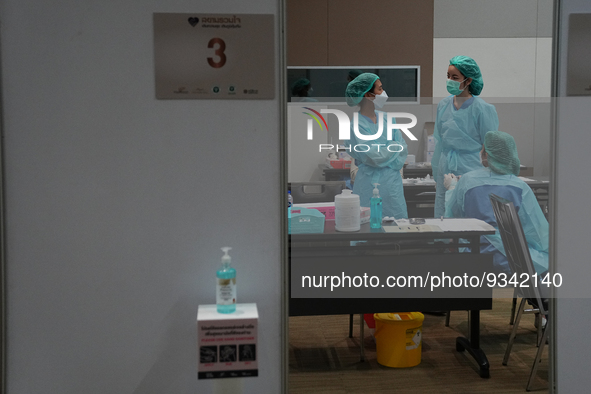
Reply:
x=327, y=209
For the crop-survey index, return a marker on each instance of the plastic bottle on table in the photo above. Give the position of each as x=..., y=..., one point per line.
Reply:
x=347, y=211
x=226, y=285
x=375, y=220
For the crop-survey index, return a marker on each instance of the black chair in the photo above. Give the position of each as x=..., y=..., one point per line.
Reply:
x=475, y=205
x=519, y=259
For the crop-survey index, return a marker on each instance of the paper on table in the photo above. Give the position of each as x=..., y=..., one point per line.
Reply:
x=526, y=179
x=423, y=228
x=453, y=224
x=426, y=182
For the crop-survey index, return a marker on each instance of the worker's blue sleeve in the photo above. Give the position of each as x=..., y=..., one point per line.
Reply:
x=488, y=120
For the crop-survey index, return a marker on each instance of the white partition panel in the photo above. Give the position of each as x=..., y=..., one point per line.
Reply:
x=117, y=204
x=572, y=213
x=508, y=65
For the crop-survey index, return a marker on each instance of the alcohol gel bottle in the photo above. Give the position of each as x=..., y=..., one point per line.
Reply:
x=226, y=285
x=375, y=220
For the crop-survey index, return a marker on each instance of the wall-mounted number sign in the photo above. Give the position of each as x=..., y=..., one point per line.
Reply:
x=214, y=56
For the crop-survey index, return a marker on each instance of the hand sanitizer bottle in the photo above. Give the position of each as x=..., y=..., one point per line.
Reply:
x=375, y=220
x=226, y=285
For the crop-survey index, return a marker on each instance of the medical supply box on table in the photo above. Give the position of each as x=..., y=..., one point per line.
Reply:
x=399, y=338
x=340, y=164
x=305, y=221
x=327, y=209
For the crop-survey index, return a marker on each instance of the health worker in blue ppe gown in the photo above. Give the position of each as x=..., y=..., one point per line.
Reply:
x=460, y=125
x=384, y=159
x=469, y=197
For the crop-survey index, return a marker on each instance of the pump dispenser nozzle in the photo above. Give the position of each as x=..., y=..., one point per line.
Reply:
x=226, y=259
x=376, y=192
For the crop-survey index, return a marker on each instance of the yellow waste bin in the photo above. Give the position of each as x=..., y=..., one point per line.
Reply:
x=399, y=338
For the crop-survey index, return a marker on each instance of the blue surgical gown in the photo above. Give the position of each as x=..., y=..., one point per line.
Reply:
x=459, y=135
x=471, y=199
x=379, y=165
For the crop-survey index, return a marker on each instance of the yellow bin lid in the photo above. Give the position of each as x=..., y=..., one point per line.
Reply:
x=400, y=317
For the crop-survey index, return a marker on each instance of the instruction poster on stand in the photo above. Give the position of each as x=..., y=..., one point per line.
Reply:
x=227, y=343
x=214, y=56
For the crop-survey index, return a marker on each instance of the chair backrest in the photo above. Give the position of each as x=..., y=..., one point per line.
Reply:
x=517, y=251
x=307, y=192
x=477, y=205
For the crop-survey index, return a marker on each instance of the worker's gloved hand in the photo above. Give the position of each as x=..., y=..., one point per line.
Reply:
x=450, y=181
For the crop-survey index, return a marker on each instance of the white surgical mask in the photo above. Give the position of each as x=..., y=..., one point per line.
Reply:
x=380, y=99
x=453, y=87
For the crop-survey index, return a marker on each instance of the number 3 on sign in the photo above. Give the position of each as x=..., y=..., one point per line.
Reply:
x=219, y=52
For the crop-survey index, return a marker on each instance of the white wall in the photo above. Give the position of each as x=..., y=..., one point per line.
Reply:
x=499, y=18
x=511, y=67
x=304, y=156
x=510, y=39
x=117, y=204
x=512, y=42
x=572, y=213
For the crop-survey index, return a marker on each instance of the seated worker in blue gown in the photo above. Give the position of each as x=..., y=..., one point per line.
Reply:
x=468, y=197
